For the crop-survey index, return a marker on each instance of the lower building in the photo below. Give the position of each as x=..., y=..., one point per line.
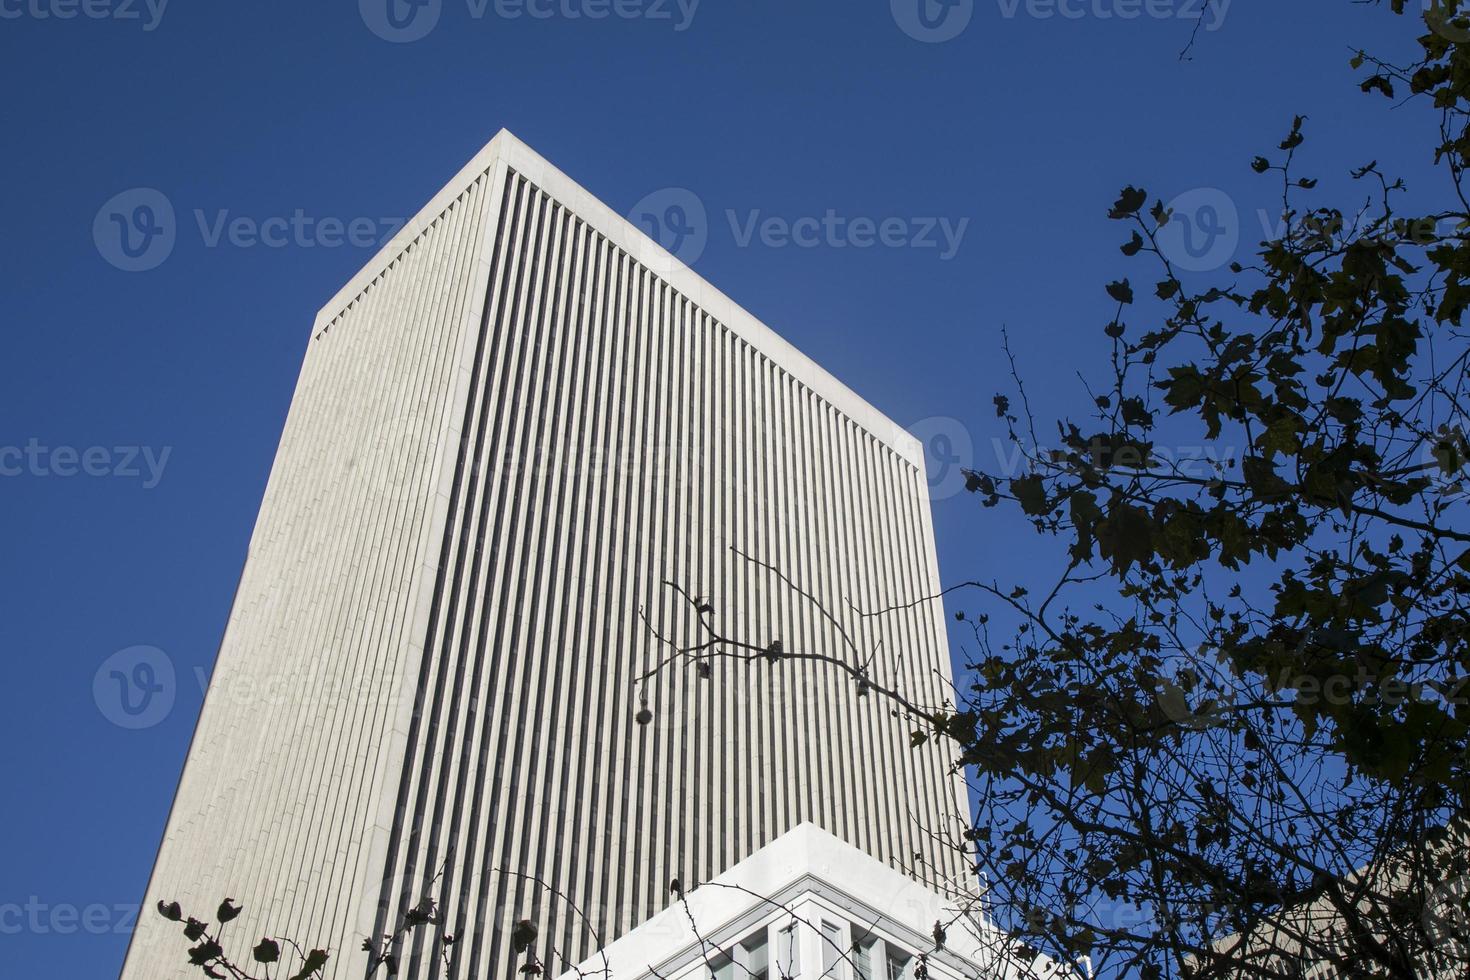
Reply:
x=1414, y=902
x=809, y=906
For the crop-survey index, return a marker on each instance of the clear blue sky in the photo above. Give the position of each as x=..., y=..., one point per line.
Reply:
x=1024, y=126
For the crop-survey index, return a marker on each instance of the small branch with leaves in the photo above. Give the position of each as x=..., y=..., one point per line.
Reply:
x=208, y=952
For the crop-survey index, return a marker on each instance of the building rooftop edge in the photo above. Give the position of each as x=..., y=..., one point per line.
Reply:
x=805, y=860
x=505, y=146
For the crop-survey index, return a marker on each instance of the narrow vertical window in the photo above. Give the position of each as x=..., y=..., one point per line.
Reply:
x=862, y=957
x=900, y=964
x=831, y=951
x=788, y=960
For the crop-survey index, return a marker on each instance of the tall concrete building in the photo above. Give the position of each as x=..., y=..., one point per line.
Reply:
x=518, y=422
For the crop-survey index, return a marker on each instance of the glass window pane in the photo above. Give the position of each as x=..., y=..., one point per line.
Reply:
x=862, y=956
x=831, y=949
x=788, y=962
x=900, y=964
x=722, y=967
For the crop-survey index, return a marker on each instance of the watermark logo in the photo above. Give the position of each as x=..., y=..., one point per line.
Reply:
x=1203, y=230
x=949, y=452
x=933, y=21
x=136, y=230
x=148, y=13
x=676, y=218
x=401, y=21
x=135, y=688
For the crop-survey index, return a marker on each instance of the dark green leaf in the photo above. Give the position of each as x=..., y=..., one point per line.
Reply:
x=1031, y=492
x=1128, y=204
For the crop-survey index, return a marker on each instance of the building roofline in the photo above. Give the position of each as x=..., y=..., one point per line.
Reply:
x=805, y=860
x=505, y=147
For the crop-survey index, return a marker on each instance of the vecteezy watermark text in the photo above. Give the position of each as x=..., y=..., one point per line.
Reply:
x=406, y=21
x=145, y=463
x=677, y=219
x=1211, y=12
x=299, y=230
x=40, y=918
x=1200, y=462
x=835, y=231
x=937, y=21
x=147, y=13
x=1205, y=230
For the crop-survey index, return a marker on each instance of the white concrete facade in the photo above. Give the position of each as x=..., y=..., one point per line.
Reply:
x=510, y=429
x=808, y=906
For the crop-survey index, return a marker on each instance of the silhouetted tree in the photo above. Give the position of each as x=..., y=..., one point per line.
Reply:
x=1230, y=738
